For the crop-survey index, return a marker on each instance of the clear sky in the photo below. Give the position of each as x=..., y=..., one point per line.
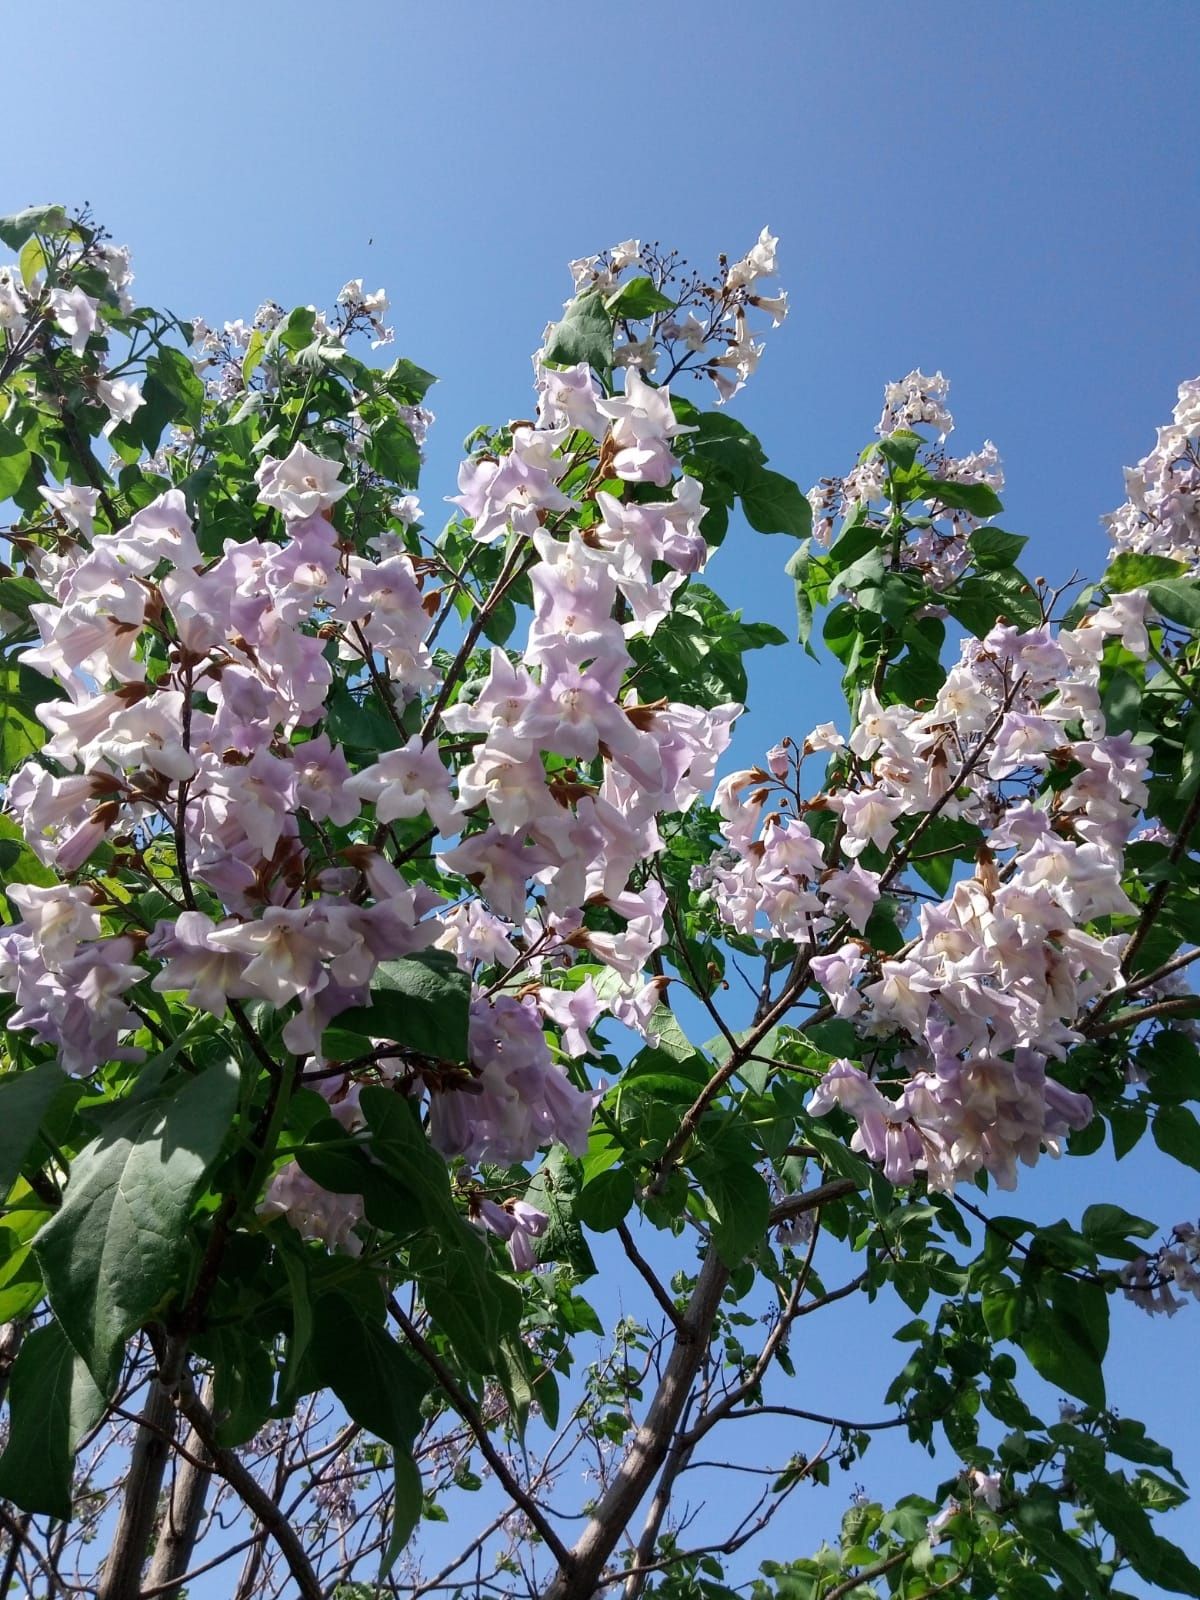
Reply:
x=1005, y=192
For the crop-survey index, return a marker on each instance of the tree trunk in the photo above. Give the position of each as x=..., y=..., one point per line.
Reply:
x=577, y=1580
x=122, y=1577
x=185, y=1511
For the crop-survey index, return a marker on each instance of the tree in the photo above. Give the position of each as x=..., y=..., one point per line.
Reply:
x=367, y=895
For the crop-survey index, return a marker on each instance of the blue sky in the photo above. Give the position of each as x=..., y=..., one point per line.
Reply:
x=1004, y=192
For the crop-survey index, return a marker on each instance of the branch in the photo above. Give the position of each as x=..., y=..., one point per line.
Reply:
x=465, y=1407
x=577, y=1578
x=521, y=552
x=795, y=1205
x=172, y=1588
x=1181, y=1005
x=820, y=1419
x=256, y=1500
x=665, y=1303
x=1176, y=964
x=690, y=1120
x=1155, y=903
x=677, y=1460
x=866, y=1575
x=18, y=1532
x=904, y=854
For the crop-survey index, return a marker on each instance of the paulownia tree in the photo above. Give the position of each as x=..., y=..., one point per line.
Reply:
x=368, y=896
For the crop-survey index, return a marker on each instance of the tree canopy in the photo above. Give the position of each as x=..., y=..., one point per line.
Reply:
x=398, y=977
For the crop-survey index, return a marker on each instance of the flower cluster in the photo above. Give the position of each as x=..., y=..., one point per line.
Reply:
x=704, y=325
x=190, y=741
x=939, y=551
x=1152, y=1281
x=994, y=978
x=1161, y=515
x=998, y=973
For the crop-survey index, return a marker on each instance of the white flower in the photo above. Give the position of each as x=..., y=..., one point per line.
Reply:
x=758, y=263
x=75, y=313
x=302, y=484
x=122, y=400
x=76, y=505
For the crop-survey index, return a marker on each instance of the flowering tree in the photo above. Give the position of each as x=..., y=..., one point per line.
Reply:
x=364, y=891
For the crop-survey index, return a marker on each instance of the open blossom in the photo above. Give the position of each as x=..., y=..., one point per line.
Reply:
x=301, y=484
x=76, y=314
x=916, y=401
x=77, y=505
x=1161, y=515
x=869, y=816
x=121, y=398
x=642, y=425
x=986, y=1486
x=210, y=975
x=407, y=782
x=759, y=262
x=314, y=1212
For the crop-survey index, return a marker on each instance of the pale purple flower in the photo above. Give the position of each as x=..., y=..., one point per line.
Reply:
x=301, y=484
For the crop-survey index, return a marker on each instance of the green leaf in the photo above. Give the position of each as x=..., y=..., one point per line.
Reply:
x=22, y=225
x=25, y=1098
x=422, y=1002
x=774, y=504
x=172, y=393
x=980, y=499
x=465, y=1297
x=739, y=1204
x=584, y=334
x=254, y=353
x=1127, y=1438
x=244, y=1376
x=405, y=382
x=392, y=451
x=172, y=381
x=1178, y=600
x=1132, y=570
x=381, y=1388
x=992, y=547
x=607, y=1200
x=1153, y=1558
x=18, y=594
x=1177, y=1133
x=302, y=1322
x=799, y=570
x=660, y=1072
x=979, y=602
x=359, y=724
x=555, y=1190
x=341, y=1164
x=637, y=299
x=15, y=462
x=31, y=261
x=21, y=1286
x=1038, y=1517
x=380, y=1385
x=21, y=734
x=113, y=1253
x=407, y=1500
x=1110, y=1227
x=53, y=1404
x=1069, y=1337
